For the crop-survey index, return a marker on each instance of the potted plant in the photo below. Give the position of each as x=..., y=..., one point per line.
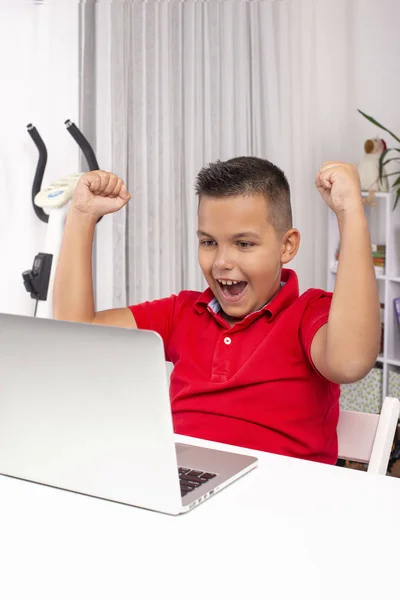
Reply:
x=384, y=160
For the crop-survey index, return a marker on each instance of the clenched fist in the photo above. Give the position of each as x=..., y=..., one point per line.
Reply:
x=99, y=193
x=339, y=185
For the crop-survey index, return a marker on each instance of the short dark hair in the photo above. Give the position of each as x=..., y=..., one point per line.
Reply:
x=249, y=175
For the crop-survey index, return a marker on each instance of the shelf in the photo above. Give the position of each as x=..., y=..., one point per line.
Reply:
x=380, y=277
x=393, y=362
x=333, y=271
x=378, y=195
x=384, y=227
x=389, y=361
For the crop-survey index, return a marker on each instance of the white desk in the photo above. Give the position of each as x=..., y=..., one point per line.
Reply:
x=290, y=530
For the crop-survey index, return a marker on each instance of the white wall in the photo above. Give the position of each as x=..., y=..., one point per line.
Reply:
x=361, y=73
x=345, y=54
x=39, y=49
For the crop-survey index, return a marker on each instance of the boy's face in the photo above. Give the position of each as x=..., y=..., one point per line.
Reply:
x=238, y=244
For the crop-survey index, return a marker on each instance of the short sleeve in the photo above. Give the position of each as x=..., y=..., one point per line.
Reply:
x=315, y=316
x=156, y=316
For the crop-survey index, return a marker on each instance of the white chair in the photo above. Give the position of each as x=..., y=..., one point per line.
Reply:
x=368, y=438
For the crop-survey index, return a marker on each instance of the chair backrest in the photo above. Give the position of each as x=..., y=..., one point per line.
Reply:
x=368, y=438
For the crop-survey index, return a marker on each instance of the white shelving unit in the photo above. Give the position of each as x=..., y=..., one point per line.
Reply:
x=384, y=225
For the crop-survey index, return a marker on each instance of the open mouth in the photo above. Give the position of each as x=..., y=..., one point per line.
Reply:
x=231, y=290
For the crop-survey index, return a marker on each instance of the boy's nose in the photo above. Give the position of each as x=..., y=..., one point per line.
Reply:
x=223, y=262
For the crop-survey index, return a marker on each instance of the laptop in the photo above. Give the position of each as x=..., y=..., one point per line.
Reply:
x=86, y=408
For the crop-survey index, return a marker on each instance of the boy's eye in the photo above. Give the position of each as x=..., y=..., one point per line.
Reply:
x=245, y=244
x=207, y=243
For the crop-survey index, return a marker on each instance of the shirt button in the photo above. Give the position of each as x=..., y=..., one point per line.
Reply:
x=227, y=341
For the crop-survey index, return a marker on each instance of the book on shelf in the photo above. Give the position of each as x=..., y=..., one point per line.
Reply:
x=396, y=304
x=378, y=255
x=379, y=248
x=379, y=270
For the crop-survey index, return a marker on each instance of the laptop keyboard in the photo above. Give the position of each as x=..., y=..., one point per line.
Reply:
x=191, y=479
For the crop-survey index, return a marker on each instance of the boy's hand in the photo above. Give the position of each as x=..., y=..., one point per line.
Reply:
x=99, y=193
x=339, y=185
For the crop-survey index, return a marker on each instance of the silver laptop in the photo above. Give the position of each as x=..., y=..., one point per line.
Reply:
x=86, y=408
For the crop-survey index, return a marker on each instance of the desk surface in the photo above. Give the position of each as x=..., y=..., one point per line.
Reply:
x=289, y=529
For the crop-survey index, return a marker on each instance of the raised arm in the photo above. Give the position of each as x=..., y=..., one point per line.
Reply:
x=346, y=348
x=97, y=193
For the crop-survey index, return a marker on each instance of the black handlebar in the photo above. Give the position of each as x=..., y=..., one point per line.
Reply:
x=37, y=181
x=42, y=161
x=83, y=145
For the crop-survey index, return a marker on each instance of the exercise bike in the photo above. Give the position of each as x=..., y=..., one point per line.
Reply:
x=51, y=206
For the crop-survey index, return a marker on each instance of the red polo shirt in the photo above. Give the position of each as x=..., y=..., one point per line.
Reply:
x=253, y=384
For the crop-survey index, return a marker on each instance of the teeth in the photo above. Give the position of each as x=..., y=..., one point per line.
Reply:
x=227, y=282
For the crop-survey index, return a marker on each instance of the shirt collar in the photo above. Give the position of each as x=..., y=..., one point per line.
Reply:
x=287, y=295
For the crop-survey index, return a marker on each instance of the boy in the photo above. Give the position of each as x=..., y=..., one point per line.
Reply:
x=256, y=365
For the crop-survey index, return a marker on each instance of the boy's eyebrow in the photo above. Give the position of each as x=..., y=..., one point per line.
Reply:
x=244, y=234
x=236, y=236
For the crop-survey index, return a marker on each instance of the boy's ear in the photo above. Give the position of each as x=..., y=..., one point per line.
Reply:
x=290, y=245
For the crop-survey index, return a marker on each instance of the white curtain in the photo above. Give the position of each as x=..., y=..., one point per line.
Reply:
x=180, y=84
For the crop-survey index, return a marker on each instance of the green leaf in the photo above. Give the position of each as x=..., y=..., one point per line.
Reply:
x=381, y=162
x=372, y=120
x=392, y=150
x=390, y=174
x=397, y=182
x=390, y=160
